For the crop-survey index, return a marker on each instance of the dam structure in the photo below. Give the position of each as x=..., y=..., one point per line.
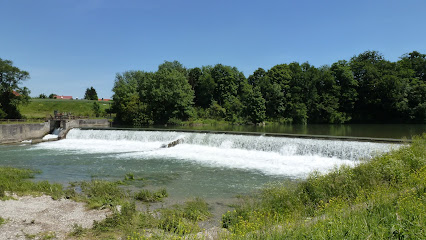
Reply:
x=34, y=132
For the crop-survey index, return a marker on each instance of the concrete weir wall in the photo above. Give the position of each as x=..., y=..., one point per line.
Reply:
x=70, y=124
x=10, y=133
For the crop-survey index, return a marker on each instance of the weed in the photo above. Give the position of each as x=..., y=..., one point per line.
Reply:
x=378, y=199
x=2, y=220
x=77, y=230
x=151, y=196
x=129, y=177
x=101, y=194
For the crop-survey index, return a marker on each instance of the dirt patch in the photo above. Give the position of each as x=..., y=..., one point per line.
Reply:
x=41, y=216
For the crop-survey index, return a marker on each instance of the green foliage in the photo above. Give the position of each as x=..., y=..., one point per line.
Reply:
x=90, y=94
x=255, y=106
x=182, y=219
x=16, y=180
x=2, y=221
x=382, y=198
x=102, y=194
x=167, y=94
x=42, y=96
x=11, y=94
x=151, y=196
x=366, y=89
x=96, y=109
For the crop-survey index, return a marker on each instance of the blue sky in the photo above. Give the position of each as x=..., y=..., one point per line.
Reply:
x=70, y=45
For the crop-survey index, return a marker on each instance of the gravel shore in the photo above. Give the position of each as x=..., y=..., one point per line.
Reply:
x=38, y=217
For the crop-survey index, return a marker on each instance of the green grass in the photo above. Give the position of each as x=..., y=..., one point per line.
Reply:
x=384, y=198
x=146, y=195
x=42, y=108
x=125, y=220
x=17, y=181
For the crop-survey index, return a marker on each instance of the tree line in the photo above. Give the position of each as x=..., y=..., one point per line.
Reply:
x=366, y=89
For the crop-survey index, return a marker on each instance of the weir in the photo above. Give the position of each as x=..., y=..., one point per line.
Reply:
x=349, y=150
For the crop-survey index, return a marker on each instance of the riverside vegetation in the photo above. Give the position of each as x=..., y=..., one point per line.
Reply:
x=366, y=89
x=380, y=198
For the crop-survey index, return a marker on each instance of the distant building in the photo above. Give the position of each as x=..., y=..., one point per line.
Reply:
x=16, y=93
x=104, y=99
x=63, y=97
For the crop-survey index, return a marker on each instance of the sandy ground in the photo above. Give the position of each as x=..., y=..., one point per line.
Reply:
x=41, y=216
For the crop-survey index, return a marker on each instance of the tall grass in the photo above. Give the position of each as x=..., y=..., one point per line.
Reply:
x=17, y=181
x=381, y=198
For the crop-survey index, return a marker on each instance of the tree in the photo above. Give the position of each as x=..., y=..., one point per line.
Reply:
x=11, y=94
x=345, y=80
x=127, y=104
x=52, y=96
x=91, y=94
x=42, y=95
x=96, y=109
x=255, y=106
x=166, y=94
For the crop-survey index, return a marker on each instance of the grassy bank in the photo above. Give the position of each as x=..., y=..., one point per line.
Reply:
x=41, y=108
x=384, y=198
x=127, y=220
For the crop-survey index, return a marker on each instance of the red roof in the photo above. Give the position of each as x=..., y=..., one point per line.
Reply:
x=16, y=93
x=104, y=99
x=63, y=97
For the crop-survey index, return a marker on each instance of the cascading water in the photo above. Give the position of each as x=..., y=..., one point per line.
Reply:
x=268, y=155
x=54, y=135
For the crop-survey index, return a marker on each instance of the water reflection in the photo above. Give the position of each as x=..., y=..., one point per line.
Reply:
x=397, y=131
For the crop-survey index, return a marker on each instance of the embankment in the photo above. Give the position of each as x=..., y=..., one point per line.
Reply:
x=11, y=133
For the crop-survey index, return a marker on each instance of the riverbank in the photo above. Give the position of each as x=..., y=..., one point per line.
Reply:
x=383, y=198
x=28, y=217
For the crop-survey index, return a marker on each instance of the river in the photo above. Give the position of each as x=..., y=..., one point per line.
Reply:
x=212, y=166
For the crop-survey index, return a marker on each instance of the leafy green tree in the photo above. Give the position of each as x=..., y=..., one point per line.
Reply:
x=348, y=94
x=167, y=94
x=52, y=96
x=413, y=69
x=382, y=95
x=257, y=77
x=175, y=65
x=127, y=105
x=91, y=94
x=326, y=104
x=278, y=96
x=42, y=96
x=255, y=106
x=225, y=81
x=271, y=92
x=11, y=94
x=96, y=109
x=204, y=89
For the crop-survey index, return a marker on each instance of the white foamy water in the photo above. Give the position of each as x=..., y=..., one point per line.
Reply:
x=50, y=136
x=267, y=155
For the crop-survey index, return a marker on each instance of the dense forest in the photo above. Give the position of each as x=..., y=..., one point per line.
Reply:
x=366, y=89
